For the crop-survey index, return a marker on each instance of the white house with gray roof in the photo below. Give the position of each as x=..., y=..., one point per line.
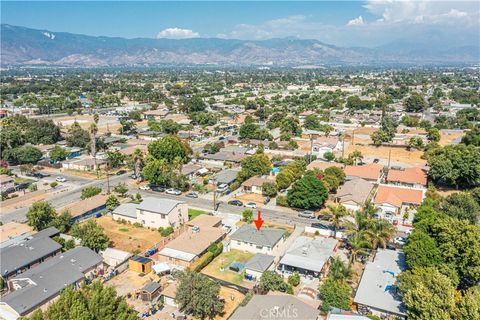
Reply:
x=153, y=212
x=39, y=285
x=265, y=240
x=308, y=256
x=377, y=292
x=258, y=264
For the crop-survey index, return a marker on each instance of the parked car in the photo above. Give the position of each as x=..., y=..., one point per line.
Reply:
x=157, y=188
x=237, y=203
x=133, y=176
x=251, y=205
x=61, y=179
x=307, y=214
x=192, y=194
x=400, y=240
x=120, y=172
x=222, y=188
x=145, y=187
x=173, y=191
x=40, y=175
x=267, y=200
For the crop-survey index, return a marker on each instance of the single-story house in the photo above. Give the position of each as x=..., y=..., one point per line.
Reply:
x=190, y=170
x=258, y=264
x=38, y=286
x=377, y=292
x=254, y=184
x=309, y=256
x=150, y=135
x=390, y=199
x=87, y=208
x=353, y=194
x=276, y=306
x=86, y=164
x=7, y=183
x=338, y=314
x=191, y=244
x=225, y=177
x=27, y=254
x=223, y=156
x=371, y=172
x=156, y=114
x=153, y=212
x=322, y=165
x=408, y=177
x=322, y=145
x=265, y=240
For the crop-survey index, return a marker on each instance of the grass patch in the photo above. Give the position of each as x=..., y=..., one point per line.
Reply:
x=193, y=213
x=223, y=261
x=123, y=229
x=19, y=180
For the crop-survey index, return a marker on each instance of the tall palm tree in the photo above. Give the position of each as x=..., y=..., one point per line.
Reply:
x=358, y=246
x=355, y=156
x=338, y=213
x=137, y=158
x=379, y=233
x=339, y=270
x=93, y=143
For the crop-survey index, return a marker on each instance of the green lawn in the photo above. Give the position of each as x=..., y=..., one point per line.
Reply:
x=192, y=213
x=222, y=262
x=19, y=180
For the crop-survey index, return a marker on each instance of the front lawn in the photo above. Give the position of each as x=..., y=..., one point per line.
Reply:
x=193, y=213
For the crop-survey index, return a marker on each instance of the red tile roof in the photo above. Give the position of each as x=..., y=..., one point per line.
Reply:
x=371, y=171
x=397, y=196
x=409, y=175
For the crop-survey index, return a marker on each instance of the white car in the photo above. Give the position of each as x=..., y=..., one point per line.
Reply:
x=61, y=179
x=251, y=205
x=173, y=191
x=222, y=188
x=400, y=240
x=145, y=187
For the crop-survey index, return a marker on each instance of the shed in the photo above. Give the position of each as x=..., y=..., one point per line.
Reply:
x=150, y=291
x=140, y=264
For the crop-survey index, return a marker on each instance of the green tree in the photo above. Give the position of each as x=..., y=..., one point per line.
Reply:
x=170, y=148
x=472, y=137
x=58, y=153
x=77, y=137
x=23, y=154
x=433, y=135
x=335, y=294
x=63, y=221
x=247, y=215
x=339, y=270
x=269, y=189
x=329, y=156
x=257, y=164
x=272, y=281
x=380, y=136
x=462, y=206
x=469, y=306
x=121, y=189
x=198, y=295
x=294, y=279
x=337, y=172
x=337, y=216
x=307, y=193
x=415, y=143
x=112, y=202
x=422, y=250
x=40, y=215
x=89, y=192
x=415, y=103
x=115, y=158
x=91, y=235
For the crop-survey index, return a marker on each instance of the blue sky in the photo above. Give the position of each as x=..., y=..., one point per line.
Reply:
x=344, y=23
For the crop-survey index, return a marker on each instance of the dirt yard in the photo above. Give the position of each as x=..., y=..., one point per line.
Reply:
x=218, y=268
x=128, y=237
x=232, y=299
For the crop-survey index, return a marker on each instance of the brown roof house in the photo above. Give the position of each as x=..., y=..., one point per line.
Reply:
x=7, y=183
x=354, y=193
x=371, y=172
x=391, y=199
x=191, y=244
x=409, y=177
x=254, y=184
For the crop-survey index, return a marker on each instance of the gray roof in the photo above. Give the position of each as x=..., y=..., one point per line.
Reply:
x=127, y=210
x=309, y=254
x=356, y=190
x=372, y=290
x=26, y=252
x=265, y=237
x=48, y=232
x=259, y=262
x=152, y=287
x=283, y=307
x=226, y=176
x=49, y=278
x=158, y=205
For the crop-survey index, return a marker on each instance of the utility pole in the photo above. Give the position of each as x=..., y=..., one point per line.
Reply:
x=389, y=156
x=214, y=194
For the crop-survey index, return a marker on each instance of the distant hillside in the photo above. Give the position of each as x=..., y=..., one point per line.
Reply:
x=24, y=46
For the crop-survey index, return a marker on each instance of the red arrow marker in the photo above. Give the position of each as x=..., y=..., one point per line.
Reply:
x=259, y=221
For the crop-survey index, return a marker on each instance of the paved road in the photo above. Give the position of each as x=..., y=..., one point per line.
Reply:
x=62, y=199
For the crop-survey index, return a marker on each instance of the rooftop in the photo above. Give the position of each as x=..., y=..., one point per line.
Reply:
x=371, y=171
x=377, y=287
x=259, y=262
x=158, y=205
x=265, y=237
x=13, y=229
x=356, y=190
x=80, y=207
x=413, y=175
x=310, y=254
x=397, y=196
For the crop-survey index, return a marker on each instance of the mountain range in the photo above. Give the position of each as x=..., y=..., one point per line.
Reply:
x=22, y=46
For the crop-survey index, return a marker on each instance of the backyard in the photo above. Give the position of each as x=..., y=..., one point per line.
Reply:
x=128, y=237
x=218, y=268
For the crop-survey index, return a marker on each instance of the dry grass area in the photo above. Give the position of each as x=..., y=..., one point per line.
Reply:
x=130, y=281
x=447, y=138
x=128, y=237
x=251, y=197
x=232, y=299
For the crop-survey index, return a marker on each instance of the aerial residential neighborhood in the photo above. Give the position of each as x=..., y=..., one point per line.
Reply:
x=239, y=171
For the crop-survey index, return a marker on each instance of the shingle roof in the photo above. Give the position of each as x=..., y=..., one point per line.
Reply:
x=152, y=287
x=265, y=237
x=49, y=278
x=227, y=176
x=309, y=254
x=382, y=272
x=356, y=190
x=127, y=210
x=24, y=253
x=279, y=307
x=158, y=205
x=259, y=262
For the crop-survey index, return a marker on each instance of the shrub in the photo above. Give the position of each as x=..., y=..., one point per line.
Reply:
x=202, y=262
x=54, y=184
x=138, y=225
x=165, y=232
x=294, y=279
x=282, y=201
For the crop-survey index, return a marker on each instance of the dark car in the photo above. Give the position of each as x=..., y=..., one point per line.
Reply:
x=157, y=188
x=267, y=200
x=237, y=203
x=40, y=175
x=120, y=172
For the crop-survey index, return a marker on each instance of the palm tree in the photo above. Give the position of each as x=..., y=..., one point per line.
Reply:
x=339, y=270
x=358, y=246
x=337, y=212
x=137, y=158
x=93, y=143
x=379, y=233
x=355, y=156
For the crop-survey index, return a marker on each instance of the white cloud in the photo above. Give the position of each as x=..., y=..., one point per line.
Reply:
x=177, y=33
x=356, y=22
